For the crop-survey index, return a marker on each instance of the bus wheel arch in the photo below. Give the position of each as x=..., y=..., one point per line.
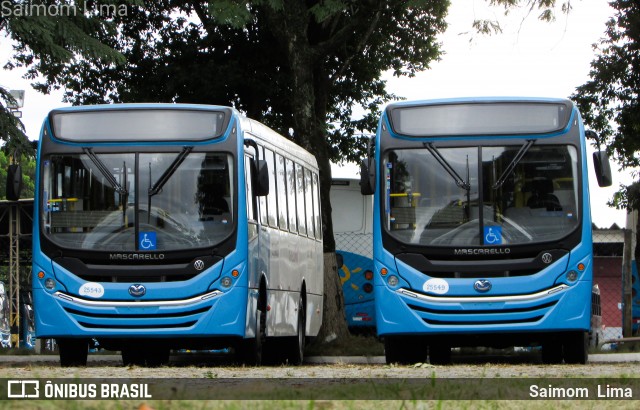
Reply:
x=295, y=345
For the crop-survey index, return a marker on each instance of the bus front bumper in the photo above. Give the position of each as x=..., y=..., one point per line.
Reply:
x=212, y=314
x=558, y=308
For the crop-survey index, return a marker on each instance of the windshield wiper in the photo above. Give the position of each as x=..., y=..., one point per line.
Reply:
x=505, y=174
x=157, y=187
x=105, y=172
x=447, y=167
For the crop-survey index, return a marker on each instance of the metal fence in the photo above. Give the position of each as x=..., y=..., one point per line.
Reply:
x=609, y=274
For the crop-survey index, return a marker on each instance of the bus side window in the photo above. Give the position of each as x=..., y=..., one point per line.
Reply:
x=282, y=192
x=291, y=195
x=316, y=207
x=249, y=164
x=272, y=208
x=302, y=218
x=263, y=199
x=308, y=203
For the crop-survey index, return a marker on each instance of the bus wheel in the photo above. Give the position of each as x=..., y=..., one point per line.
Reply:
x=576, y=347
x=404, y=349
x=133, y=356
x=73, y=352
x=157, y=356
x=552, y=352
x=440, y=354
x=249, y=351
x=295, y=344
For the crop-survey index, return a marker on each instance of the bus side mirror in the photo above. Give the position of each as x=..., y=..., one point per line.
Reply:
x=602, y=168
x=261, y=187
x=14, y=182
x=367, y=176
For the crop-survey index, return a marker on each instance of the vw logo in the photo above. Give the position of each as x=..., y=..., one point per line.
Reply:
x=198, y=264
x=482, y=285
x=137, y=290
x=547, y=258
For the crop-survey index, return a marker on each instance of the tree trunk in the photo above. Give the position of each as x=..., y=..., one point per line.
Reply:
x=309, y=110
x=334, y=324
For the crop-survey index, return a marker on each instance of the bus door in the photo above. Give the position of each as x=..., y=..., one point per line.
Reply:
x=253, y=229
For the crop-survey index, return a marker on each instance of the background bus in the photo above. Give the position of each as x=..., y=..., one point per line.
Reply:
x=353, y=232
x=632, y=224
x=164, y=226
x=482, y=227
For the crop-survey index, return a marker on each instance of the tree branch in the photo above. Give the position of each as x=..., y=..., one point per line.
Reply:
x=361, y=45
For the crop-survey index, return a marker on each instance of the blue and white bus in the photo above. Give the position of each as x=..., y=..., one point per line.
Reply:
x=482, y=227
x=353, y=232
x=164, y=226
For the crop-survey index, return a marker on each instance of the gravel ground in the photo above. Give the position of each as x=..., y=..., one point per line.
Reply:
x=207, y=367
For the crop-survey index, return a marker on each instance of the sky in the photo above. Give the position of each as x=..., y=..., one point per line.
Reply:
x=529, y=58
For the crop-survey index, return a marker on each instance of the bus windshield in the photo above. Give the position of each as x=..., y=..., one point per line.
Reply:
x=481, y=196
x=137, y=201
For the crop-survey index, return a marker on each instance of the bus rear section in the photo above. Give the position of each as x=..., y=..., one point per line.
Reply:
x=482, y=228
x=145, y=237
x=352, y=221
x=632, y=225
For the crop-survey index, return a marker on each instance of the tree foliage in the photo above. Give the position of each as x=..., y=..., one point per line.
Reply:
x=49, y=34
x=608, y=101
x=28, y=164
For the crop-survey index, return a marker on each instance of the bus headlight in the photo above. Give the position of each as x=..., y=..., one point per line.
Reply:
x=392, y=280
x=50, y=284
x=572, y=275
x=226, y=281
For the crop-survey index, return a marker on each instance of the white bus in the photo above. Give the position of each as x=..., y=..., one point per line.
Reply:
x=353, y=232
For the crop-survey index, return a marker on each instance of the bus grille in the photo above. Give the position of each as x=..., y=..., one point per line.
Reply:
x=136, y=315
x=152, y=320
x=499, y=316
x=123, y=326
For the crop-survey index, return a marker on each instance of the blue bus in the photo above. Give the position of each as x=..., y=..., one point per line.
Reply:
x=353, y=232
x=632, y=224
x=164, y=226
x=482, y=227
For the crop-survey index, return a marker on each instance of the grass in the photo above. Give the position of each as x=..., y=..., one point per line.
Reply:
x=352, y=345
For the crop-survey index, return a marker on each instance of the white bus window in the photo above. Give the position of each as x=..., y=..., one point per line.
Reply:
x=308, y=202
x=302, y=223
x=263, y=201
x=272, y=208
x=282, y=192
x=291, y=195
x=248, y=161
x=316, y=207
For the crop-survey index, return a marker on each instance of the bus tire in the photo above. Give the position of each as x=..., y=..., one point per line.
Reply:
x=249, y=351
x=157, y=356
x=552, y=352
x=404, y=350
x=133, y=355
x=439, y=354
x=295, y=344
x=73, y=352
x=576, y=347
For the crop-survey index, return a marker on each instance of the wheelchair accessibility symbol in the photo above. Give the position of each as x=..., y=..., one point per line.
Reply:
x=492, y=235
x=147, y=241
